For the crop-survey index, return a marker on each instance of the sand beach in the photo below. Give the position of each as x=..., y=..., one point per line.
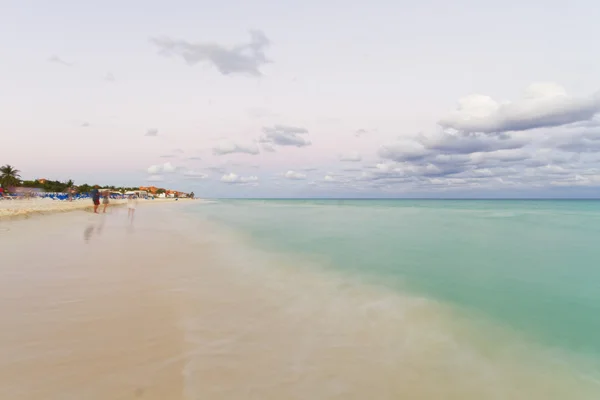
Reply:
x=14, y=209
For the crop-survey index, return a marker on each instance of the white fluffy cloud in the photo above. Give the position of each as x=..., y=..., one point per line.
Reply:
x=542, y=105
x=234, y=178
x=230, y=148
x=545, y=139
x=294, y=175
x=166, y=168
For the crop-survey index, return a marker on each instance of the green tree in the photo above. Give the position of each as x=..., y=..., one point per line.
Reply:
x=85, y=188
x=9, y=176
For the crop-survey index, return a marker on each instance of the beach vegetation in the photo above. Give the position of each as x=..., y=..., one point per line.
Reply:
x=9, y=176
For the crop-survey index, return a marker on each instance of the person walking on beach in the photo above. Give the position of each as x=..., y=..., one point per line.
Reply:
x=105, y=200
x=95, y=198
x=131, y=203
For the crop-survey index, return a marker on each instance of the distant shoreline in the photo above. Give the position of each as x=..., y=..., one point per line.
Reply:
x=24, y=209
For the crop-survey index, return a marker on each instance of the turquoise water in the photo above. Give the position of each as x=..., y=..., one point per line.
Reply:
x=532, y=266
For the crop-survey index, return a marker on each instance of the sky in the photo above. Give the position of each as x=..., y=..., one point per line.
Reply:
x=305, y=99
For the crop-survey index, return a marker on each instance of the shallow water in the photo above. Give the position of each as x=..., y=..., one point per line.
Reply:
x=252, y=300
x=532, y=265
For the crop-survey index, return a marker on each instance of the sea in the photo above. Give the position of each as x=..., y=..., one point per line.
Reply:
x=509, y=289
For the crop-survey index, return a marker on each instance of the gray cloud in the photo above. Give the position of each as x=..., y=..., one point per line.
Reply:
x=282, y=135
x=267, y=147
x=57, y=60
x=109, y=77
x=151, y=132
x=585, y=142
x=545, y=139
x=230, y=148
x=543, y=105
x=246, y=58
x=360, y=132
x=85, y=124
x=472, y=143
x=195, y=158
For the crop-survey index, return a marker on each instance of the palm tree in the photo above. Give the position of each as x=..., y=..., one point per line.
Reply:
x=9, y=176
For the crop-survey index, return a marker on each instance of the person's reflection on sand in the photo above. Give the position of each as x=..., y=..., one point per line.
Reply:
x=88, y=232
x=92, y=228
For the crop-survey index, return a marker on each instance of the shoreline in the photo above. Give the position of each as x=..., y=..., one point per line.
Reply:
x=176, y=307
x=25, y=209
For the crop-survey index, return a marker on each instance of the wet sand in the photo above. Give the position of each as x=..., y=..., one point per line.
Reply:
x=18, y=209
x=167, y=308
x=85, y=321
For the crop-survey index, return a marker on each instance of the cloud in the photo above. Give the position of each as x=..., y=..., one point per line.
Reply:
x=583, y=142
x=351, y=157
x=330, y=179
x=267, y=147
x=154, y=178
x=191, y=174
x=282, y=135
x=151, y=132
x=543, y=105
x=235, y=179
x=260, y=112
x=457, y=143
x=219, y=170
x=294, y=175
x=195, y=158
x=166, y=168
x=245, y=58
x=109, y=77
x=178, y=151
x=404, y=150
x=85, y=124
x=360, y=132
x=56, y=59
x=230, y=148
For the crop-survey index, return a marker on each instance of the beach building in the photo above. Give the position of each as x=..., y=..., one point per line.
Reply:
x=150, y=189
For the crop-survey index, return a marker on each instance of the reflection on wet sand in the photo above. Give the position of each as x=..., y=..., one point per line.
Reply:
x=94, y=228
